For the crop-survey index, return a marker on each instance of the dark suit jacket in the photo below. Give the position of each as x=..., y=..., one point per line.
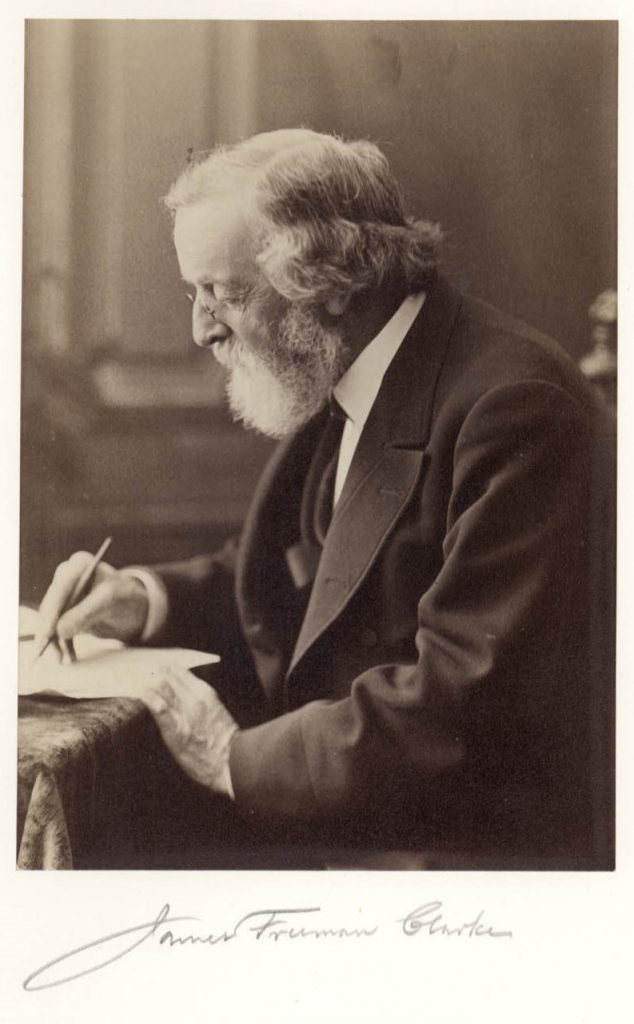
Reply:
x=449, y=682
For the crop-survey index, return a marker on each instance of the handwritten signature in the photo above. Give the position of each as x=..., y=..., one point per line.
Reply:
x=289, y=923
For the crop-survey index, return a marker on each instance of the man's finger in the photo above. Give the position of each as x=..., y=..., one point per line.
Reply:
x=187, y=682
x=64, y=579
x=89, y=612
x=58, y=594
x=154, y=701
x=159, y=694
x=162, y=705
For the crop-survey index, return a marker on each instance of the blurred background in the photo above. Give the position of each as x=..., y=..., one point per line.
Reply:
x=504, y=132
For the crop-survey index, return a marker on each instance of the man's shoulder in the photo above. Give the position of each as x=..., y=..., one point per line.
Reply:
x=489, y=349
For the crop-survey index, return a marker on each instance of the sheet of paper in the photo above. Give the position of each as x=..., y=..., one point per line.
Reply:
x=104, y=668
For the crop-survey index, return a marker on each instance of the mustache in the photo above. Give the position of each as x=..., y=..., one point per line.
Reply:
x=298, y=344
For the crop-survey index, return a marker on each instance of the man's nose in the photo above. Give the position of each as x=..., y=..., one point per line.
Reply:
x=205, y=328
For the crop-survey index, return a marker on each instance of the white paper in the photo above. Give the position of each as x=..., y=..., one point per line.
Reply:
x=104, y=668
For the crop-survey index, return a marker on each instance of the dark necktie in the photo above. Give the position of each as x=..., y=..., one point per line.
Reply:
x=328, y=456
x=317, y=500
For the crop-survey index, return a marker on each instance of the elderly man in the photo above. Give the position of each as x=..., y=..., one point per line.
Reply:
x=421, y=593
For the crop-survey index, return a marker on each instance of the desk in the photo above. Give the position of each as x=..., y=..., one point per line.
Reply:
x=76, y=764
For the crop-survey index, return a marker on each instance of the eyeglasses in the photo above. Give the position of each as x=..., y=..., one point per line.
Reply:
x=192, y=298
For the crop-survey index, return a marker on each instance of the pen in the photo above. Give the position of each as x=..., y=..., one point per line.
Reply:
x=80, y=588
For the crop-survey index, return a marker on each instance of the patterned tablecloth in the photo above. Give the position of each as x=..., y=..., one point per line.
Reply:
x=86, y=773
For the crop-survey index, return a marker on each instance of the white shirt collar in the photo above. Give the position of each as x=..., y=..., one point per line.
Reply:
x=359, y=386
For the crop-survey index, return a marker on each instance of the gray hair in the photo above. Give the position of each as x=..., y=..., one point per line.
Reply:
x=331, y=218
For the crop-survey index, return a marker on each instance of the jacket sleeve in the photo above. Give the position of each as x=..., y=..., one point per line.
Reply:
x=202, y=611
x=515, y=540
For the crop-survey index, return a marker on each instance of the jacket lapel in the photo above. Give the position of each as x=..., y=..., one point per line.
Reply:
x=385, y=469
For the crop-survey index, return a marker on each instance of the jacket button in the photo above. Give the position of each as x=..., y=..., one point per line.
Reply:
x=368, y=637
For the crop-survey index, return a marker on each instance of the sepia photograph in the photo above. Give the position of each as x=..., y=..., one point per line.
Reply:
x=318, y=441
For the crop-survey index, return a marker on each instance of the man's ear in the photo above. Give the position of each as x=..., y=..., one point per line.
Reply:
x=337, y=304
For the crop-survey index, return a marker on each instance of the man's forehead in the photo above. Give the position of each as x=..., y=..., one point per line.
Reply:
x=214, y=238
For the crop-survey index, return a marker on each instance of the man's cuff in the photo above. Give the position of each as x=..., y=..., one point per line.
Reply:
x=158, y=605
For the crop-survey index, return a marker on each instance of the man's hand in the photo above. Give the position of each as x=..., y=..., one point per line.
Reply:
x=115, y=606
x=195, y=725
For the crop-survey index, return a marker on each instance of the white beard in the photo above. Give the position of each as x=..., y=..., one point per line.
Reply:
x=282, y=388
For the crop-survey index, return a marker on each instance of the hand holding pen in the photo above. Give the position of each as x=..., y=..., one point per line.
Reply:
x=87, y=595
